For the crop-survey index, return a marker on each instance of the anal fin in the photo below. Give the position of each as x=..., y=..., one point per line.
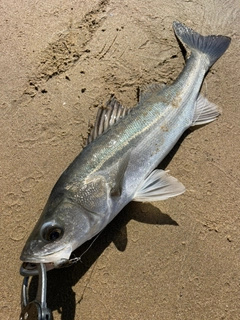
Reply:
x=205, y=111
x=159, y=185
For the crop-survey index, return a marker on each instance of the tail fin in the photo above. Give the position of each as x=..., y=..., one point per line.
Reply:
x=212, y=46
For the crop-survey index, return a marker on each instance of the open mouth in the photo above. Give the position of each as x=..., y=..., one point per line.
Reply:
x=29, y=269
x=53, y=260
x=50, y=257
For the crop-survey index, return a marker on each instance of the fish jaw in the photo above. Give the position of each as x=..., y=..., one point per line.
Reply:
x=51, y=261
x=29, y=255
x=28, y=269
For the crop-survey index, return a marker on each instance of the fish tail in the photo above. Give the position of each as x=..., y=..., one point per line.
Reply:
x=213, y=47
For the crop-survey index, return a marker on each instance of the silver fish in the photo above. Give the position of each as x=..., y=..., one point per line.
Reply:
x=124, y=148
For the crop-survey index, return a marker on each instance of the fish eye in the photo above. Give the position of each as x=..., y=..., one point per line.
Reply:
x=52, y=233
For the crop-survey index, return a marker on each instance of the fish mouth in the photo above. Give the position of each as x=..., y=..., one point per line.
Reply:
x=29, y=269
x=51, y=261
x=48, y=258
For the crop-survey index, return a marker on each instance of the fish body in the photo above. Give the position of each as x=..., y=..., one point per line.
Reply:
x=118, y=165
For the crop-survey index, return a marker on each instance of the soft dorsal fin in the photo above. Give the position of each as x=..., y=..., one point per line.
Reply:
x=150, y=89
x=106, y=117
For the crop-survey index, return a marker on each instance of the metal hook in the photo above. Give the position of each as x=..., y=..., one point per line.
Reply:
x=36, y=309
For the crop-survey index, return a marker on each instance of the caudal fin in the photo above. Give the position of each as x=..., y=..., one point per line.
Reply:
x=212, y=46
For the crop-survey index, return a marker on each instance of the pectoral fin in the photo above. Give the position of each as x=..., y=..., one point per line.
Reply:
x=94, y=195
x=159, y=185
x=116, y=175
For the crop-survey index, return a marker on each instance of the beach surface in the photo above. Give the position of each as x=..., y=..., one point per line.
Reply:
x=61, y=60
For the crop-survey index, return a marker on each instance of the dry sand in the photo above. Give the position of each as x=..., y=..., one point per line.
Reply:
x=176, y=259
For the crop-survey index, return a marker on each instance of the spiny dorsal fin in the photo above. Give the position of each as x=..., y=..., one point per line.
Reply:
x=106, y=117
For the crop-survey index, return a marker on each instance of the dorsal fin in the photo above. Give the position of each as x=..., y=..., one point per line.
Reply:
x=148, y=90
x=106, y=117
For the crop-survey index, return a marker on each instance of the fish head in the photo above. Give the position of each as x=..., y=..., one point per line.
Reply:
x=62, y=227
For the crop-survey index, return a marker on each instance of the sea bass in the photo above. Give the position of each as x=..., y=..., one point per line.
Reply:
x=124, y=148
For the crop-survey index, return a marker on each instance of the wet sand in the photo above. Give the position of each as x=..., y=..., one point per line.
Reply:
x=176, y=259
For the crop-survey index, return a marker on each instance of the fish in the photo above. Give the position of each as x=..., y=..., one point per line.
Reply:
x=125, y=146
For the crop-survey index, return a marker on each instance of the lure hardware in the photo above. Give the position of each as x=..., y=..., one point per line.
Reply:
x=36, y=309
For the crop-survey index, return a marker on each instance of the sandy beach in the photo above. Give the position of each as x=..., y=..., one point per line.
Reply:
x=172, y=260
